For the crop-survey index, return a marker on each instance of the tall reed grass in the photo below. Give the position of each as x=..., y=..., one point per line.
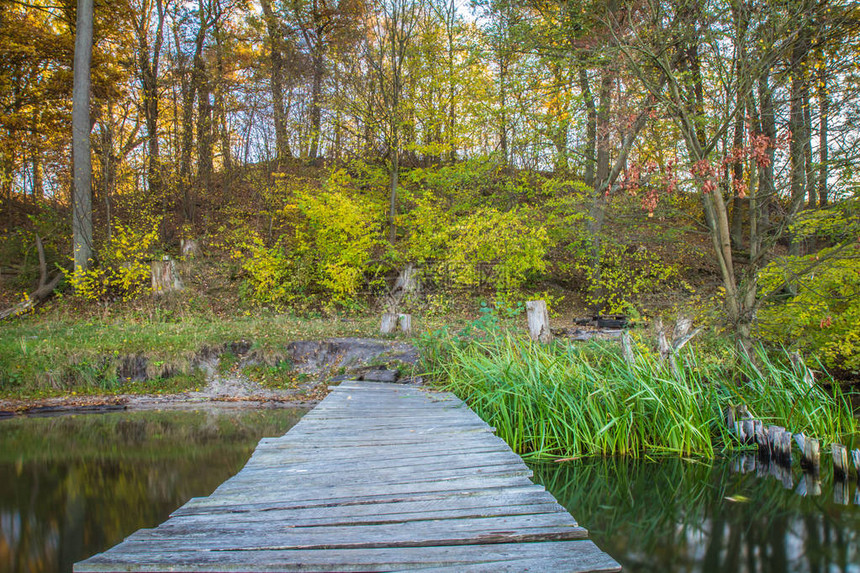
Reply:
x=572, y=399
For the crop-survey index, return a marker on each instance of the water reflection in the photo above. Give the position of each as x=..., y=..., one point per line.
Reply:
x=723, y=516
x=73, y=486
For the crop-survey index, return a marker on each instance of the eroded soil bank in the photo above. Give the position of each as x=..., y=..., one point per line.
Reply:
x=318, y=364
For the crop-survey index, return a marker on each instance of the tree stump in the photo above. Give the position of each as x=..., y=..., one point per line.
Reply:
x=627, y=349
x=405, y=323
x=165, y=277
x=538, y=317
x=189, y=248
x=389, y=323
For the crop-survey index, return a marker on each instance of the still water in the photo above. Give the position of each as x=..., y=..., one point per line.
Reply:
x=72, y=486
x=677, y=515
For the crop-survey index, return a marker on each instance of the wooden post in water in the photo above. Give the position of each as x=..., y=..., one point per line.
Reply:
x=810, y=457
x=749, y=431
x=800, y=440
x=774, y=437
x=813, y=484
x=729, y=414
x=538, y=317
x=761, y=440
x=739, y=431
x=840, y=462
x=786, y=450
x=855, y=456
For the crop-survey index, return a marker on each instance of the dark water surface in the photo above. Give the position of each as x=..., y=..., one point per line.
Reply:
x=72, y=486
x=673, y=515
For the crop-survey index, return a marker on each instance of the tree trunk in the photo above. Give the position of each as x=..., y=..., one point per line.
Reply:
x=503, y=104
x=738, y=176
x=220, y=114
x=316, y=104
x=190, y=91
x=796, y=121
x=823, y=111
x=597, y=209
x=82, y=209
x=811, y=187
x=766, y=190
x=107, y=167
x=538, y=320
x=204, y=136
x=148, y=64
x=38, y=185
x=590, y=126
x=276, y=57
x=394, y=181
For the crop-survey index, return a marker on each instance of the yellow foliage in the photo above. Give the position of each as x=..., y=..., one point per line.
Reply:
x=327, y=248
x=504, y=239
x=123, y=265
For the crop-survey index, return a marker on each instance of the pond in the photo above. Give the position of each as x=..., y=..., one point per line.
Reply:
x=73, y=486
x=677, y=515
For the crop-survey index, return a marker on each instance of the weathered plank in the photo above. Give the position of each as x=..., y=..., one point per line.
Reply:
x=376, y=478
x=581, y=555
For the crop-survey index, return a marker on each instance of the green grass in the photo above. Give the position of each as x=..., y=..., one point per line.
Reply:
x=47, y=356
x=571, y=399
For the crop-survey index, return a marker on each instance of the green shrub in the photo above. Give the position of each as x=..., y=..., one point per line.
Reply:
x=626, y=273
x=823, y=313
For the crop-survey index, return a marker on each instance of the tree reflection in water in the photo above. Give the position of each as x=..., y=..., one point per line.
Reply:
x=73, y=486
x=686, y=515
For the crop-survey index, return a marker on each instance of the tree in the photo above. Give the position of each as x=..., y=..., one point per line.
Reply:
x=82, y=209
x=711, y=63
x=276, y=34
x=149, y=32
x=395, y=27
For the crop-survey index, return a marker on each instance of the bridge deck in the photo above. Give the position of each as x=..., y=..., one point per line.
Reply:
x=378, y=477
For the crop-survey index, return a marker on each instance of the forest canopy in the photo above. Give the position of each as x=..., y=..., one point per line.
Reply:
x=641, y=154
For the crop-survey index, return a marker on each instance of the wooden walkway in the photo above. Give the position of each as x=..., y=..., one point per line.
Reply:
x=377, y=477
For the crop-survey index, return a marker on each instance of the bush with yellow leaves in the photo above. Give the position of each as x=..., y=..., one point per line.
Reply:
x=330, y=237
x=121, y=269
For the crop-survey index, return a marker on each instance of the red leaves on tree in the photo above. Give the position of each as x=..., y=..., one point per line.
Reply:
x=652, y=179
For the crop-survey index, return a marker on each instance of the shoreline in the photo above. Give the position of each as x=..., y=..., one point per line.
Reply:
x=73, y=405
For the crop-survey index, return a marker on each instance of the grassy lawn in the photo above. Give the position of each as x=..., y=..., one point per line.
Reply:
x=55, y=353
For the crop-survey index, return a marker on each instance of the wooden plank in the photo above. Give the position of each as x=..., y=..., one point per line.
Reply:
x=377, y=478
x=380, y=453
x=581, y=555
x=533, y=492
x=336, y=491
x=372, y=514
x=426, y=463
x=262, y=535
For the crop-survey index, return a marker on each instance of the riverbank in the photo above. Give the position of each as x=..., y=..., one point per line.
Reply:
x=239, y=374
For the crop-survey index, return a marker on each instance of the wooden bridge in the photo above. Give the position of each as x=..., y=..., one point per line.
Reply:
x=378, y=477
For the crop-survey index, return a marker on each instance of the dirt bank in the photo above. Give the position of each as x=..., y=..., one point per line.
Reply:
x=322, y=362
